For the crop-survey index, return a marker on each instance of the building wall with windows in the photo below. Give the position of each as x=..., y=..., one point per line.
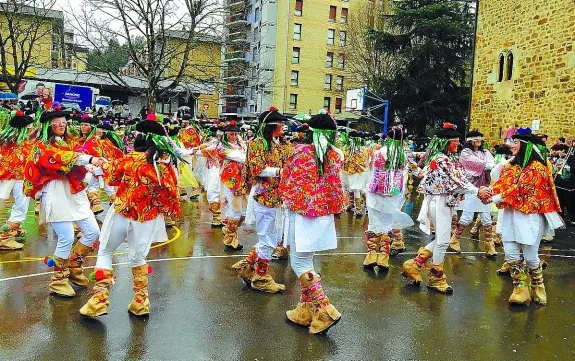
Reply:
x=524, y=67
x=310, y=71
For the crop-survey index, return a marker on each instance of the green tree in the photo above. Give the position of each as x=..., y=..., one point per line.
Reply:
x=429, y=47
x=113, y=56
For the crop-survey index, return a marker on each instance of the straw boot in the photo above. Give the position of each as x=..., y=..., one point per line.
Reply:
x=383, y=255
x=230, y=231
x=397, y=244
x=457, y=230
x=140, y=305
x=371, y=242
x=97, y=305
x=438, y=280
x=77, y=258
x=489, y=244
x=60, y=284
x=324, y=315
x=245, y=267
x=302, y=314
x=95, y=202
x=262, y=281
x=537, y=287
x=411, y=268
x=521, y=294
x=216, y=210
x=10, y=232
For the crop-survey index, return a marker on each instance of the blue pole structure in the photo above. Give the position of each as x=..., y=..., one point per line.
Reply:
x=385, y=117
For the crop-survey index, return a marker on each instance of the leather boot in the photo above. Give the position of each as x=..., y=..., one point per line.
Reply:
x=457, y=230
x=504, y=269
x=438, y=280
x=169, y=221
x=302, y=314
x=474, y=232
x=371, y=242
x=324, y=315
x=245, y=267
x=497, y=239
x=489, y=244
x=97, y=305
x=140, y=305
x=383, y=255
x=216, y=210
x=397, y=244
x=537, y=287
x=75, y=262
x=281, y=252
x=8, y=236
x=230, y=230
x=95, y=202
x=521, y=294
x=358, y=210
x=261, y=281
x=60, y=285
x=411, y=268
x=350, y=202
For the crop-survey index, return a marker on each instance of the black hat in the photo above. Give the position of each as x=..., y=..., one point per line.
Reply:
x=151, y=125
x=475, y=134
x=89, y=118
x=20, y=120
x=395, y=133
x=56, y=112
x=173, y=129
x=526, y=135
x=232, y=126
x=353, y=134
x=105, y=126
x=272, y=116
x=448, y=131
x=322, y=121
x=503, y=149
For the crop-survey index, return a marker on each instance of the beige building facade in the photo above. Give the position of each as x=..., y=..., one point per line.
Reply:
x=524, y=67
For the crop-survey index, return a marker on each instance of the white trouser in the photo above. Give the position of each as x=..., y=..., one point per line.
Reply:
x=268, y=236
x=21, y=203
x=379, y=222
x=530, y=253
x=231, y=213
x=138, y=234
x=441, y=216
x=65, y=233
x=356, y=193
x=301, y=262
x=98, y=182
x=467, y=218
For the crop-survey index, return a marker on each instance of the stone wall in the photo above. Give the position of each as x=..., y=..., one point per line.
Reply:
x=540, y=36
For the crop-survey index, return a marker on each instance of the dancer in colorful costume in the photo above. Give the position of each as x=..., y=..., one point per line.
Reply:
x=355, y=167
x=146, y=191
x=385, y=198
x=444, y=183
x=477, y=163
x=107, y=144
x=233, y=151
x=57, y=173
x=266, y=155
x=312, y=191
x=15, y=149
x=524, y=189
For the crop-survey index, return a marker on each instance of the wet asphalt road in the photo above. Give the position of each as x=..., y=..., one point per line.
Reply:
x=202, y=311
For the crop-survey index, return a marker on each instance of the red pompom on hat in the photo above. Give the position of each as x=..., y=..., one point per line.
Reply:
x=232, y=122
x=152, y=117
x=273, y=108
x=19, y=113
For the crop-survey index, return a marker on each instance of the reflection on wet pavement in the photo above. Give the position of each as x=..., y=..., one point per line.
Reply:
x=202, y=311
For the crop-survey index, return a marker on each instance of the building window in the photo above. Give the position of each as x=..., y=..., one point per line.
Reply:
x=327, y=85
x=339, y=83
x=330, y=36
x=342, y=38
x=509, y=66
x=298, y=7
x=326, y=103
x=332, y=13
x=293, y=101
x=329, y=60
x=297, y=32
x=341, y=61
x=294, y=78
x=501, y=67
x=257, y=15
x=295, y=56
x=343, y=18
x=338, y=102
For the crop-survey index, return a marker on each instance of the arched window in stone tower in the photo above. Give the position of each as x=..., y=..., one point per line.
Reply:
x=501, y=67
x=509, y=66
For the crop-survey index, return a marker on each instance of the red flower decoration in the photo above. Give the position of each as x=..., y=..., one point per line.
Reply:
x=447, y=125
x=152, y=117
x=19, y=113
x=99, y=275
x=232, y=122
x=150, y=269
x=273, y=108
x=57, y=107
x=433, y=165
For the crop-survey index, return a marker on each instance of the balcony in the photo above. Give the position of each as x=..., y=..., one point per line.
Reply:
x=235, y=4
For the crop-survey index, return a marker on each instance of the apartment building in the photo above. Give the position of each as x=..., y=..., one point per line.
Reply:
x=289, y=53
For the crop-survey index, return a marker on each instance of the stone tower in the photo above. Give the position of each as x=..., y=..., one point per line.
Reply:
x=524, y=67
